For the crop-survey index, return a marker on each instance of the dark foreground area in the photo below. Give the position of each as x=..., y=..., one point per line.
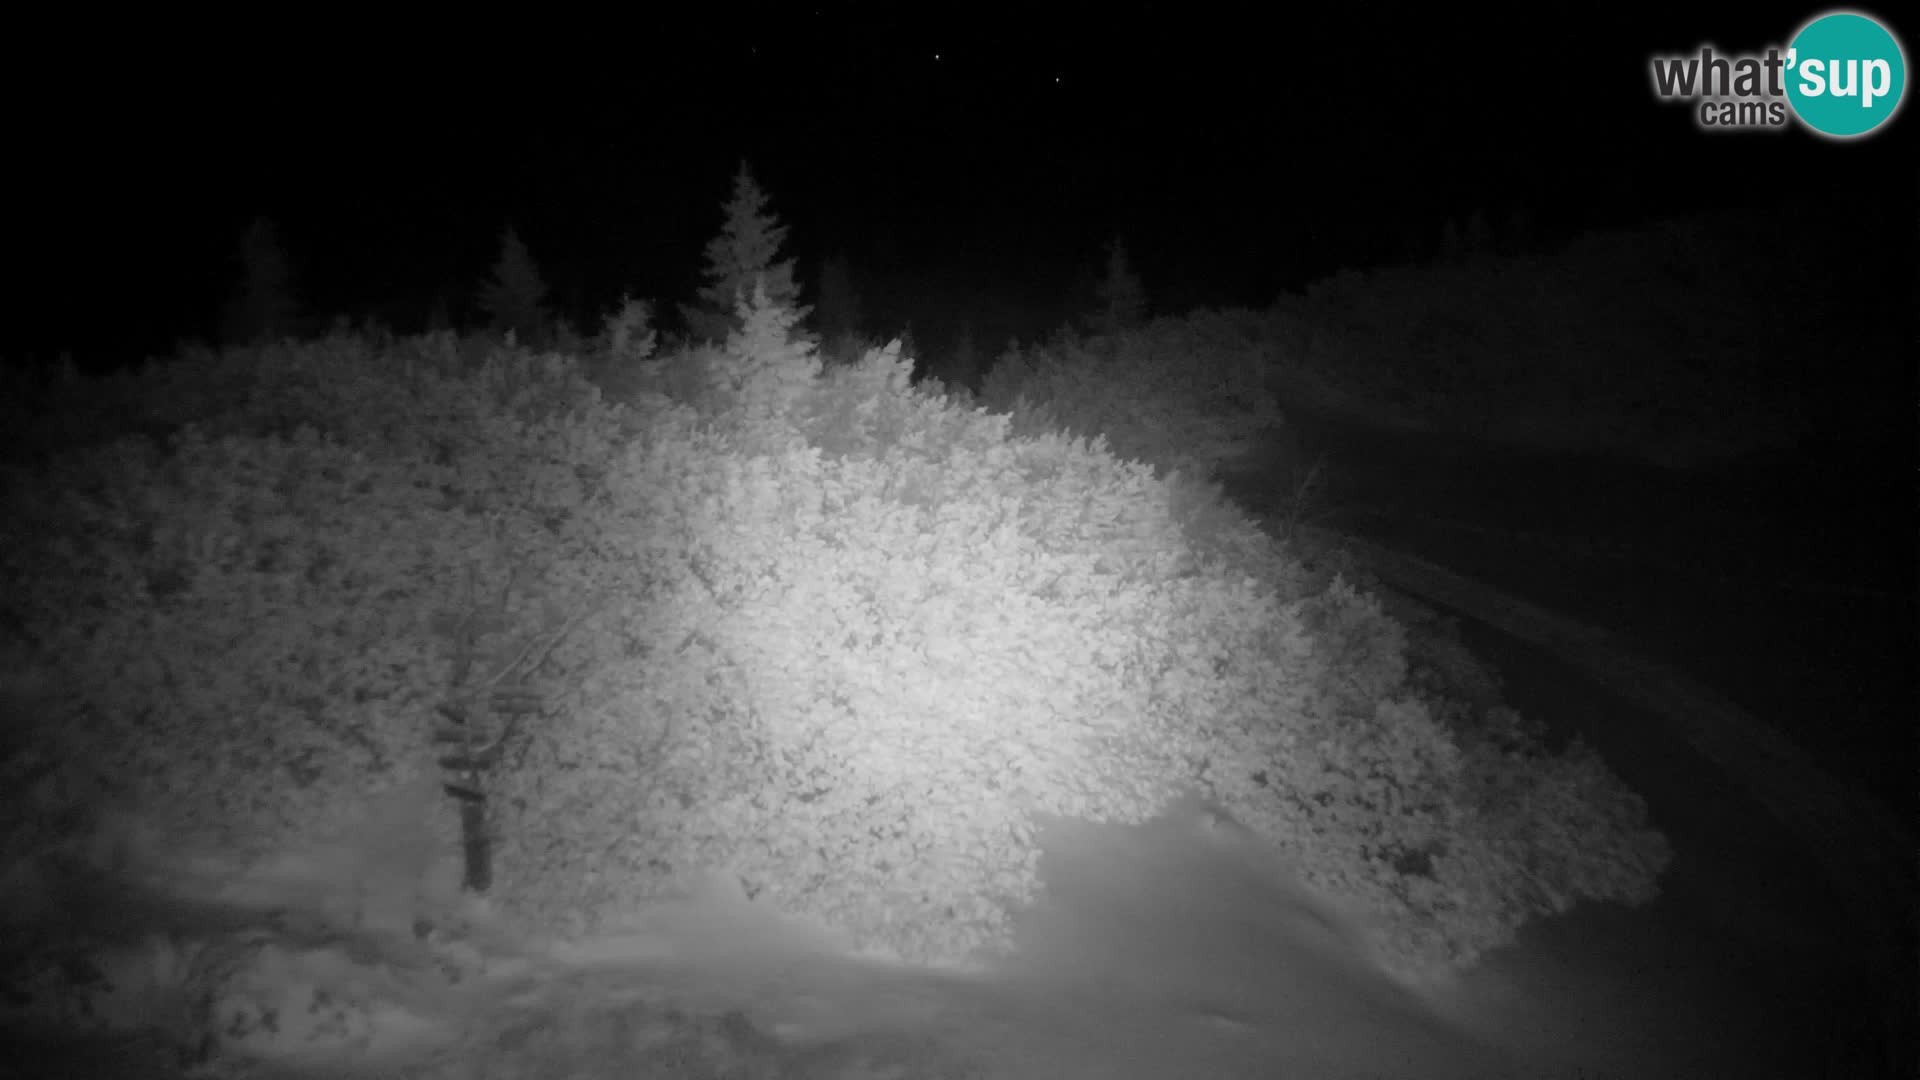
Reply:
x=1784, y=584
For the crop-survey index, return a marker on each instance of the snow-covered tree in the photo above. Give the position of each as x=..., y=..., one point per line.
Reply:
x=626, y=335
x=768, y=360
x=515, y=297
x=746, y=251
x=262, y=306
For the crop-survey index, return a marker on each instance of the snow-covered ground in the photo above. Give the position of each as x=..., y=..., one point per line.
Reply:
x=1167, y=950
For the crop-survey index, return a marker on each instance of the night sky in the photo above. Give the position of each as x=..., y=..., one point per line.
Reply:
x=949, y=152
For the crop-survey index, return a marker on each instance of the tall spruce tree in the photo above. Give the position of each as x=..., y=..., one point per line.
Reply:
x=768, y=361
x=745, y=252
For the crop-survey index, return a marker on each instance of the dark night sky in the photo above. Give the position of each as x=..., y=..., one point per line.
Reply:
x=974, y=144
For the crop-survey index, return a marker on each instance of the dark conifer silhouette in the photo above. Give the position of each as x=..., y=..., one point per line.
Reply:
x=515, y=297
x=745, y=252
x=262, y=306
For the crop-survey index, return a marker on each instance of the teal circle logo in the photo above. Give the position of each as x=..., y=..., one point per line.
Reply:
x=1846, y=74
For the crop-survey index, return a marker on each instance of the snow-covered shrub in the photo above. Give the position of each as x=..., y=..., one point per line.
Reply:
x=1185, y=394
x=866, y=668
x=827, y=633
x=243, y=610
x=902, y=631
